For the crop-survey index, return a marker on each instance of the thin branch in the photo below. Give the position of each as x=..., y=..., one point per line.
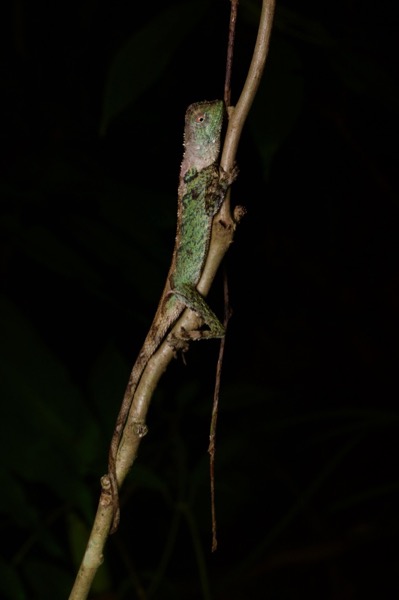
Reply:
x=216, y=394
x=230, y=51
x=215, y=409
x=239, y=114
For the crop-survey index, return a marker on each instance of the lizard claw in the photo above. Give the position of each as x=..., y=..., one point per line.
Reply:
x=179, y=343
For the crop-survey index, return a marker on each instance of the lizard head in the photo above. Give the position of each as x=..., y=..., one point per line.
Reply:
x=203, y=125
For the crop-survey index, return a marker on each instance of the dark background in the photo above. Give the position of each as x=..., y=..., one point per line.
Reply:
x=94, y=95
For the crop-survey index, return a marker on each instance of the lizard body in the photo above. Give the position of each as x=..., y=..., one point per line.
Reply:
x=202, y=189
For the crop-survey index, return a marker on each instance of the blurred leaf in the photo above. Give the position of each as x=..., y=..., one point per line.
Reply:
x=364, y=496
x=148, y=479
x=11, y=587
x=299, y=26
x=47, y=432
x=107, y=381
x=47, y=580
x=365, y=76
x=45, y=247
x=146, y=55
x=14, y=501
x=128, y=238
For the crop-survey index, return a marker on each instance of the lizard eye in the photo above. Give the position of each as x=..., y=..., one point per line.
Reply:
x=200, y=118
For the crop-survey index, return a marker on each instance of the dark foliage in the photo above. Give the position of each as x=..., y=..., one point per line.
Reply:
x=94, y=95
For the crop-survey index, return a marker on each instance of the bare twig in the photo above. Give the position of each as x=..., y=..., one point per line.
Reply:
x=230, y=51
x=237, y=117
x=241, y=110
x=215, y=408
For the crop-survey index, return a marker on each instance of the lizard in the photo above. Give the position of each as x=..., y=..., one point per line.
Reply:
x=203, y=185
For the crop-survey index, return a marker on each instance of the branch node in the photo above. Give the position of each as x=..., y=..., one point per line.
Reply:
x=140, y=428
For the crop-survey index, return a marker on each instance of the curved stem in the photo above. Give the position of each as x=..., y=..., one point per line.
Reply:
x=242, y=108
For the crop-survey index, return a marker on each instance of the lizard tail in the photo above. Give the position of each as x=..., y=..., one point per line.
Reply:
x=131, y=387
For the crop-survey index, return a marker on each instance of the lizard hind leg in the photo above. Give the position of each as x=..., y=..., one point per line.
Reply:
x=193, y=300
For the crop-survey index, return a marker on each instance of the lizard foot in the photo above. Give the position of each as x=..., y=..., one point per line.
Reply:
x=179, y=343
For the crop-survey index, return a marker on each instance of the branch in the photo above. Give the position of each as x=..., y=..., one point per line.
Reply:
x=222, y=236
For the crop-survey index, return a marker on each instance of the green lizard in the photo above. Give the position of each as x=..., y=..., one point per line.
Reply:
x=202, y=188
